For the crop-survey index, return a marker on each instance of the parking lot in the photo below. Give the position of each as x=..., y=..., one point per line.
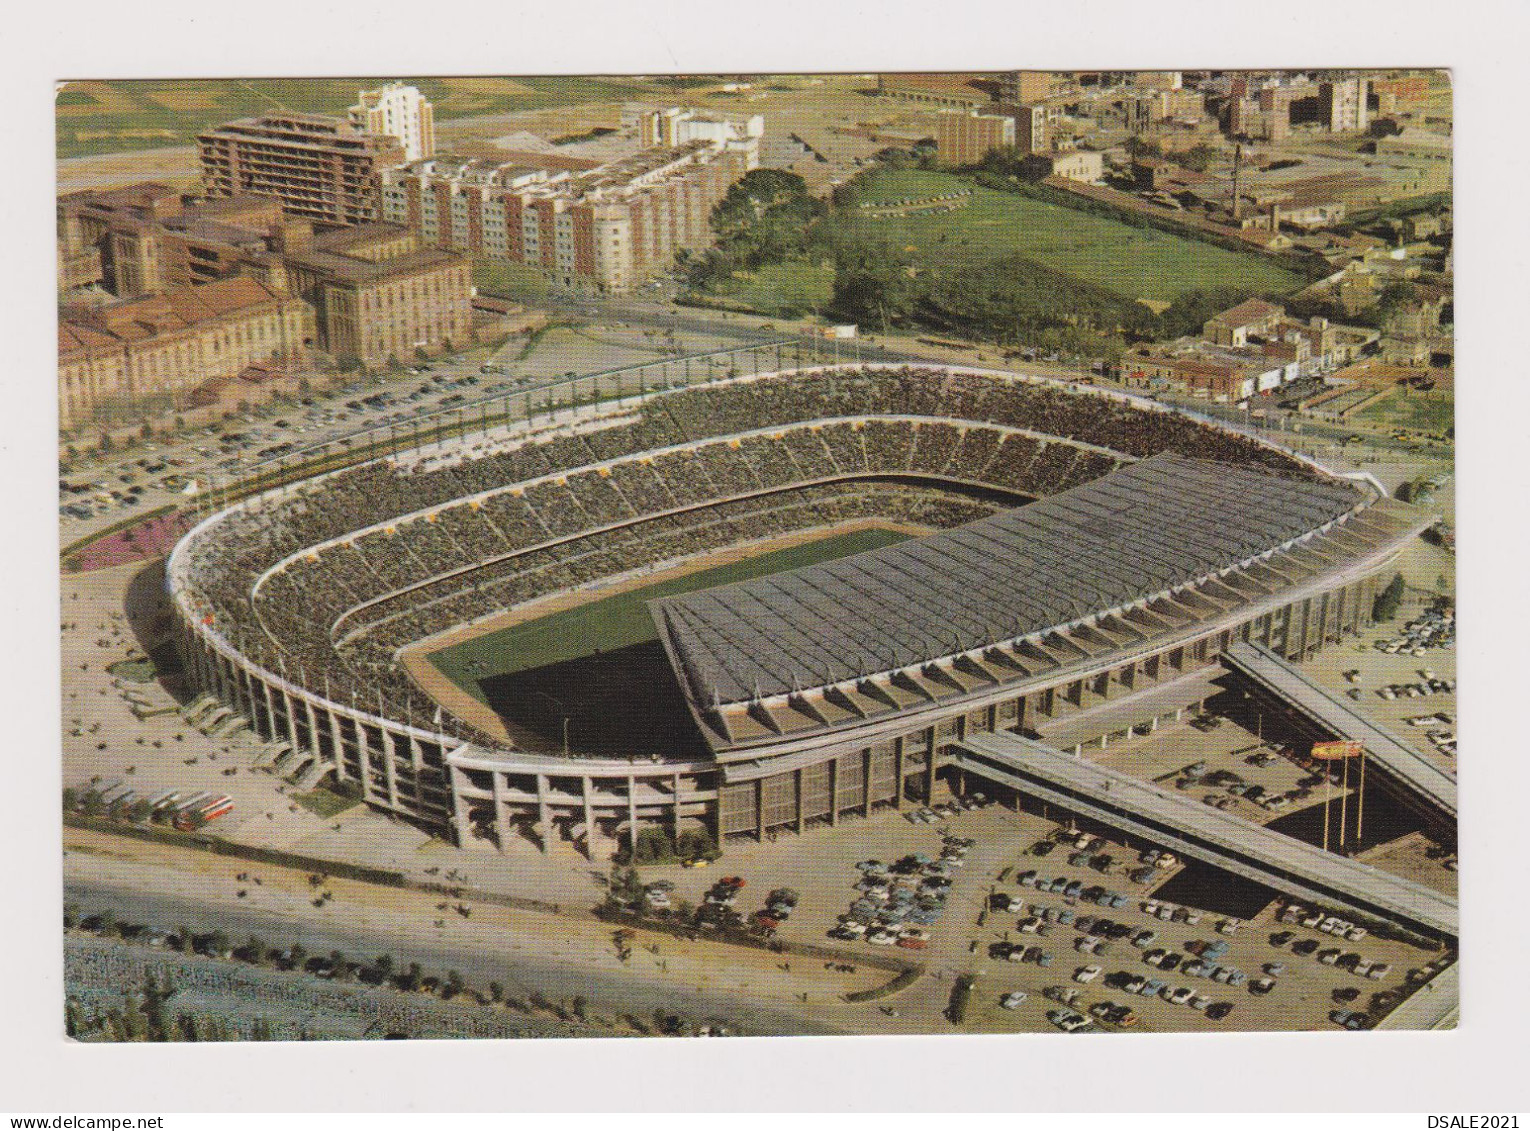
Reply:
x=971, y=935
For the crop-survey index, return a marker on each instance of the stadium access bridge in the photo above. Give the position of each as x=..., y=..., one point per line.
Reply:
x=1149, y=813
x=1420, y=783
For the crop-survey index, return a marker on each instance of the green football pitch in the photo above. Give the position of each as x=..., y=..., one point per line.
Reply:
x=622, y=620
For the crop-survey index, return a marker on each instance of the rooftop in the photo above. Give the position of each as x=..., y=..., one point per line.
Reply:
x=1161, y=523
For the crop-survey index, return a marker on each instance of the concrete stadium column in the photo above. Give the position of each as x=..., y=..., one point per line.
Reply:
x=390, y=767
x=460, y=820
x=265, y=692
x=867, y=762
x=833, y=774
x=313, y=728
x=676, y=826
x=544, y=814
x=291, y=719
x=898, y=771
x=585, y=785
x=502, y=831
x=929, y=768
x=759, y=809
x=632, y=828
x=797, y=784
x=336, y=745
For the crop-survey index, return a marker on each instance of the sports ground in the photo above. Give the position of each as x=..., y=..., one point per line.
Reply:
x=1134, y=262
x=512, y=675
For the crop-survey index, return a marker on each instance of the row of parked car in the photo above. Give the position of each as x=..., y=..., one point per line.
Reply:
x=1319, y=921
x=899, y=902
x=1131, y=983
x=1434, y=628
x=934, y=814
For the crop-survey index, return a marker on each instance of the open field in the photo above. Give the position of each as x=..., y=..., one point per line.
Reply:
x=786, y=290
x=622, y=620
x=118, y=115
x=1133, y=262
x=1434, y=411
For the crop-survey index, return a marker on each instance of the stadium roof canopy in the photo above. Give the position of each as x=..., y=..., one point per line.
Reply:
x=1155, y=525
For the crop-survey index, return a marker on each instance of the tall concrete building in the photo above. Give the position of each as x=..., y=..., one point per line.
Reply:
x=1343, y=104
x=320, y=168
x=401, y=112
x=965, y=137
x=1026, y=87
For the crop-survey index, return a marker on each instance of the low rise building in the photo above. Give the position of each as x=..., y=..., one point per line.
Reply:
x=1083, y=165
x=674, y=126
x=381, y=297
x=159, y=348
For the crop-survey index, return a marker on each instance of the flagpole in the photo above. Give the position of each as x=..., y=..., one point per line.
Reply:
x=1327, y=801
x=1360, y=802
x=1344, y=807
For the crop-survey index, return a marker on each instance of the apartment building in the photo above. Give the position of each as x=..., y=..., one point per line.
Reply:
x=380, y=296
x=320, y=168
x=965, y=137
x=400, y=112
x=583, y=225
x=1343, y=104
x=161, y=347
x=674, y=126
x=1027, y=87
x=148, y=238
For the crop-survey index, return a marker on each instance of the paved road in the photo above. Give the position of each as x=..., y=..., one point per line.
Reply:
x=518, y=973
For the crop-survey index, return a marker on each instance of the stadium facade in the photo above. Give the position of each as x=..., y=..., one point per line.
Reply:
x=1148, y=543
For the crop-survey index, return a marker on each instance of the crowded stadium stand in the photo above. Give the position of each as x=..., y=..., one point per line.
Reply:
x=1077, y=544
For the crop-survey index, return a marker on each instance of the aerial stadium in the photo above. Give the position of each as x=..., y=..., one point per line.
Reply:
x=764, y=602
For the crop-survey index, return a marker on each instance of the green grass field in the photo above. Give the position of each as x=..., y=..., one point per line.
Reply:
x=1434, y=411
x=784, y=290
x=1133, y=262
x=622, y=620
x=119, y=115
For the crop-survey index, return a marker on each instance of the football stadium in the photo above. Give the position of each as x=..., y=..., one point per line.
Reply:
x=764, y=602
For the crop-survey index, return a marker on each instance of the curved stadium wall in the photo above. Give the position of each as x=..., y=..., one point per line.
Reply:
x=293, y=604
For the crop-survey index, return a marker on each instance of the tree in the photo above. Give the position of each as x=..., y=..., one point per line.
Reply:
x=652, y=845
x=154, y=1007
x=453, y=984
x=1388, y=600
x=874, y=284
